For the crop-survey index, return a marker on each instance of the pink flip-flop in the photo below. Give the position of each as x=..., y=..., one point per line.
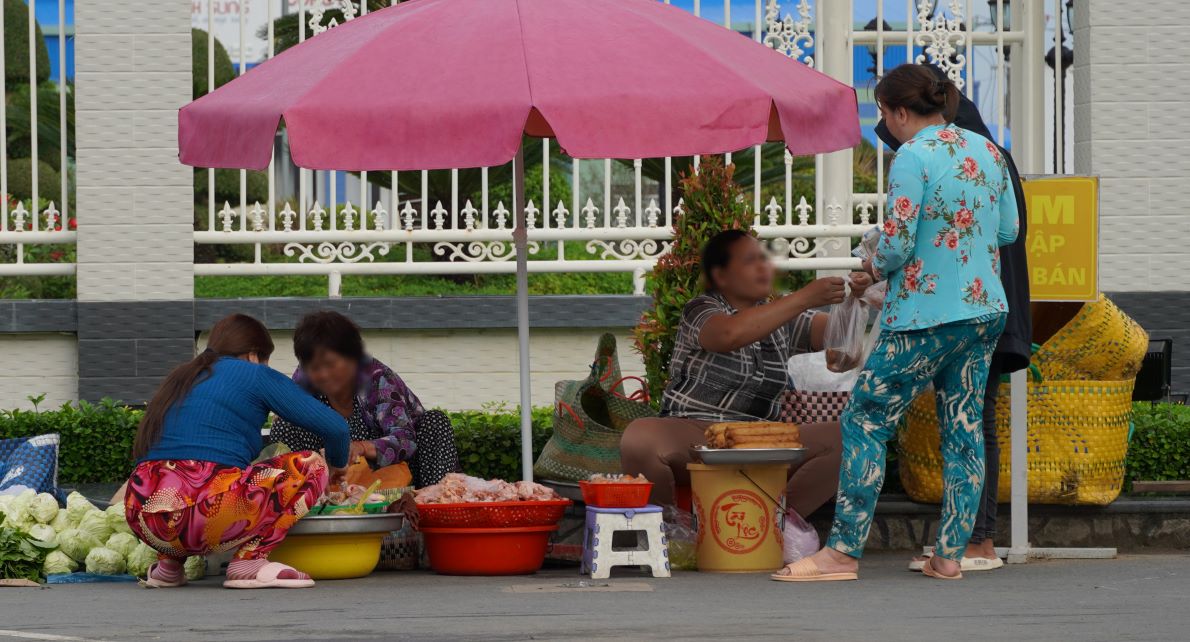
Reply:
x=805, y=570
x=152, y=582
x=269, y=577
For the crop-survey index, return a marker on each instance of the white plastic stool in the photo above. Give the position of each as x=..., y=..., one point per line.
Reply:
x=644, y=523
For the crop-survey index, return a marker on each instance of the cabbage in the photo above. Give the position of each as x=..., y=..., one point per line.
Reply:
x=43, y=508
x=116, y=519
x=76, y=543
x=61, y=522
x=140, y=559
x=122, y=543
x=16, y=510
x=196, y=567
x=77, y=506
x=95, y=524
x=45, y=534
x=58, y=562
x=105, y=561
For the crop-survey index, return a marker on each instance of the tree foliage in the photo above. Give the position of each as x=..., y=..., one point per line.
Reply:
x=713, y=202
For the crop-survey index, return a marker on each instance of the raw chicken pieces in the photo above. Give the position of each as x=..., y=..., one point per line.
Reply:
x=457, y=488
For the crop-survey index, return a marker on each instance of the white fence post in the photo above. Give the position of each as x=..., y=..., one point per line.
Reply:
x=833, y=53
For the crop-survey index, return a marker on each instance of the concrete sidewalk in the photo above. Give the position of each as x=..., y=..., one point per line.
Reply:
x=1143, y=597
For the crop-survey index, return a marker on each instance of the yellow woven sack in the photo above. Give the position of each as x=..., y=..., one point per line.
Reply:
x=1100, y=343
x=1077, y=439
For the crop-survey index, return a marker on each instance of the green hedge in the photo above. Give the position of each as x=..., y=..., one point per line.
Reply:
x=1160, y=446
x=97, y=438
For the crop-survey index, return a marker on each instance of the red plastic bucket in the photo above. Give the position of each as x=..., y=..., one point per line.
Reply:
x=487, y=551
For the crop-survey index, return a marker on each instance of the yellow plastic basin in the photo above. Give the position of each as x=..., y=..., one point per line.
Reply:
x=336, y=547
x=331, y=556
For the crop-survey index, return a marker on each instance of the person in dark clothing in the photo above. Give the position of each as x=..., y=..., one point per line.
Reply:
x=1012, y=352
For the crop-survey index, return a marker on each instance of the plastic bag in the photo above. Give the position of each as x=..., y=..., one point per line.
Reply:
x=808, y=373
x=681, y=535
x=799, y=539
x=844, y=340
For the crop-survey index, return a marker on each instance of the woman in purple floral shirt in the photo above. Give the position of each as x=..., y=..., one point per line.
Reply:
x=388, y=423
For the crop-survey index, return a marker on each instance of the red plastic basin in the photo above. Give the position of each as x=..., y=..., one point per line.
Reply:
x=487, y=551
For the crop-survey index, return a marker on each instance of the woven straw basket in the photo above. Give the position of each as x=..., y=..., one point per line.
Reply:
x=1080, y=414
x=1078, y=437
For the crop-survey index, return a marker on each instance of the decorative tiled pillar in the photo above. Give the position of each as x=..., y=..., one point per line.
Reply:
x=135, y=200
x=1131, y=99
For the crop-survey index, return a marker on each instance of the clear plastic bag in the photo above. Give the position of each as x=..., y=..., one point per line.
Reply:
x=844, y=340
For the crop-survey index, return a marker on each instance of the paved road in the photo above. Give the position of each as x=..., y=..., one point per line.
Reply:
x=1132, y=598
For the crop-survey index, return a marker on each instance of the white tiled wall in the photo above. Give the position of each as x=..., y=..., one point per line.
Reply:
x=134, y=197
x=464, y=369
x=1132, y=103
x=34, y=364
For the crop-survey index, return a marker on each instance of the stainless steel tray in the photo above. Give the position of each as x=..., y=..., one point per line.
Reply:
x=345, y=524
x=747, y=456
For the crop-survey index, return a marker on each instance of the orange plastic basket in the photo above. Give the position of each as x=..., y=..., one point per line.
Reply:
x=616, y=495
x=492, y=514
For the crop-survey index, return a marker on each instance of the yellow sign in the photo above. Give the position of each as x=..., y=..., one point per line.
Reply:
x=1063, y=238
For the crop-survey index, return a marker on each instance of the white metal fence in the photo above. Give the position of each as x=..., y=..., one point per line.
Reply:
x=612, y=216
x=35, y=112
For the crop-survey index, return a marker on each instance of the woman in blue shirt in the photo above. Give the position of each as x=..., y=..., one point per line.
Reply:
x=195, y=490
x=951, y=205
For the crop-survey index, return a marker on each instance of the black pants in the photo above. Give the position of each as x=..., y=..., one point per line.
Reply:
x=985, y=518
x=436, y=451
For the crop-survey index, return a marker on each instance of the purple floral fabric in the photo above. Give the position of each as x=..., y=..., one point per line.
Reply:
x=387, y=406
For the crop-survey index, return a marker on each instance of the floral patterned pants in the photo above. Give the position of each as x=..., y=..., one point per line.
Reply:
x=188, y=507
x=953, y=357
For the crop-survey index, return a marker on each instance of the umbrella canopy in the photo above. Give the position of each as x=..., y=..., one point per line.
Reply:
x=434, y=84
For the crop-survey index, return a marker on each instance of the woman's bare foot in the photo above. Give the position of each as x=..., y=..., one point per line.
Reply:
x=944, y=566
x=985, y=549
x=828, y=560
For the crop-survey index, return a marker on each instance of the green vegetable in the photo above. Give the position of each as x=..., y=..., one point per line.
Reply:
x=44, y=534
x=61, y=522
x=76, y=543
x=122, y=543
x=43, y=508
x=105, y=561
x=95, y=524
x=116, y=519
x=196, y=567
x=77, y=506
x=140, y=559
x=57, y=562
x=20, y=556
x=16, y=511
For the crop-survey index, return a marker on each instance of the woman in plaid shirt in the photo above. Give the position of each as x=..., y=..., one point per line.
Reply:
x=729, y=364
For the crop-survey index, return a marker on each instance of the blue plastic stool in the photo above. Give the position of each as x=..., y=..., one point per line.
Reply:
x=645, y=523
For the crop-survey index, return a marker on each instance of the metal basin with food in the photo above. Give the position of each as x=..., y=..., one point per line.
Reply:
x=336, y=547
x=747, y=456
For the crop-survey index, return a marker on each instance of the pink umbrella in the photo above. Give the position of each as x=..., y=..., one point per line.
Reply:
x=433, y=84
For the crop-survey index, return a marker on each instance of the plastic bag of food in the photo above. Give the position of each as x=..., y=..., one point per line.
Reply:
x=681, y=534
x=844, y=338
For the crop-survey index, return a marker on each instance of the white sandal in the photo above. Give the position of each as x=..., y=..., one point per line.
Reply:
x=267, y=577
x=967, y=563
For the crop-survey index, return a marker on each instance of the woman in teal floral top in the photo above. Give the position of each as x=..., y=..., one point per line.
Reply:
x=951, y=205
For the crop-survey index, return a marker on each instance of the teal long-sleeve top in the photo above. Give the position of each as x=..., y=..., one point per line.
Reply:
x=220, y=419
x=951, y=205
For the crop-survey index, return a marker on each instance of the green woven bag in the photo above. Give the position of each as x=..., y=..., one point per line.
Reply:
x=589, y=417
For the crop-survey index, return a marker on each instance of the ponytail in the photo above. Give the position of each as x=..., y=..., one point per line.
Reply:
x=236, y=335
x=921, y=89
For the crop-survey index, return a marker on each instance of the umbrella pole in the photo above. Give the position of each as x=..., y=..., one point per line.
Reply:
x=520, y=237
